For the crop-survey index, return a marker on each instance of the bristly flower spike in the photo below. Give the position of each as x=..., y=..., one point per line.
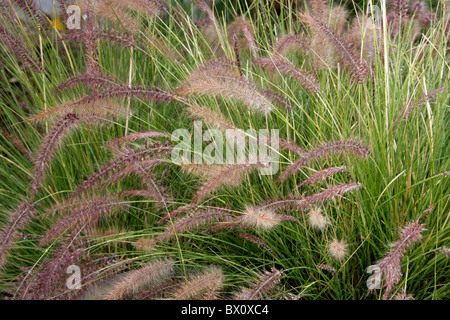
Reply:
x=10, y=231
x=390, y=266
x=331, y=148
x=49, y=144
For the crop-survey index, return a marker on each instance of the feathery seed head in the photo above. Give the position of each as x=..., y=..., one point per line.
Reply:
x=88, y=213
x=338, y=249
x=263, y=218
x=391, y=265
x=351, y=147
x=317, y=220
x=403, y=296
x=266, y=283
x=326, y=267
x=134, y=282
x=444, y=250
x=10, y=232
x=260, y=218
x=201, y=286
x=48, y=146
x=144, y=244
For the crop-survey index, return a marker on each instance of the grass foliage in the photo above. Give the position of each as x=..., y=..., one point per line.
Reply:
x=362, y=109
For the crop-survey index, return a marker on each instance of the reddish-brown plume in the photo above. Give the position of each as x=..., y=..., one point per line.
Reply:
x=390, y=266
x=221, y=78
x=10, y=231
x=324, y=151
x=358, y=67
x=283, y=66
x=323, y=174
x=230, y=175
x=134, y=282
x=267, y=283
x=193, y=221
x=129, y=161
x=291, y=42
x=48, y=146
x=203, y=286
x=86, y=216
x=114, y=144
